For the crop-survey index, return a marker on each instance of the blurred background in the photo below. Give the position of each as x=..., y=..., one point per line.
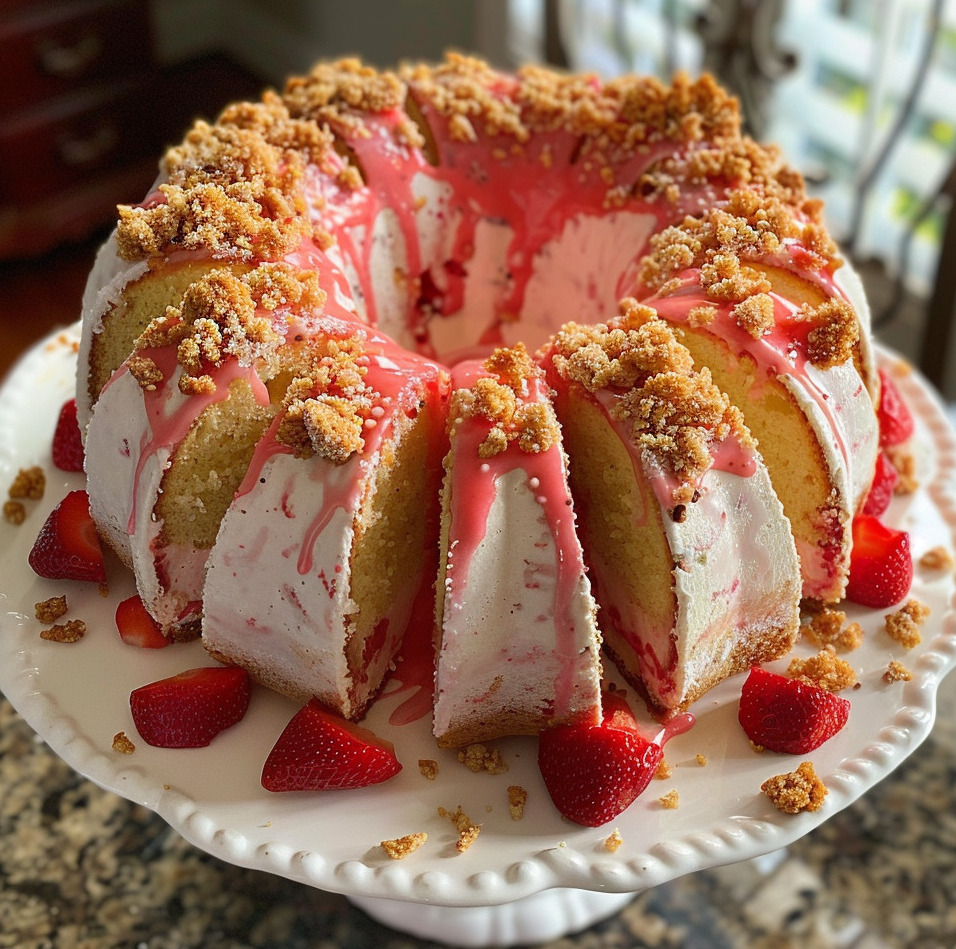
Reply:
x=861, y=94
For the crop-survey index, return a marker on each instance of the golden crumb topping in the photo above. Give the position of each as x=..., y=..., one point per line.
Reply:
x=755, y=314
x=223, y=316
x=502, y=400
x=905, y=624
x=672, y=410
x=122, y=744
x=29, y=484
x=613, y=841
x=796, y=791
x=937, y=558
x=467, y=830
x=828, y=627
x=747, y=225
x=70, y=632
x=835, y=333
x=701, y=759
x=664, y=770
x=229, y=191
x=50, y=610
x=14, y=512
x=905, y=464
x=401, y=847
x=325, y=410
x=478, y=757
x=825, y=670
x=896, y=672
x=428, y=768
x=517, y=798
x=669, y=801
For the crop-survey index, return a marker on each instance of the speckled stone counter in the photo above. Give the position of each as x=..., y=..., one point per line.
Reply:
x=81, y=868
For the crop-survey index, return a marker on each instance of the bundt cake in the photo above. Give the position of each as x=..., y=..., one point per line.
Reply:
x=247, y=412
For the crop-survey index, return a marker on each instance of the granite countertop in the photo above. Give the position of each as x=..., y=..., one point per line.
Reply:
x=81, y=868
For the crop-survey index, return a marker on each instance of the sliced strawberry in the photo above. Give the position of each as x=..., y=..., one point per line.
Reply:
x=896, y=422
x=881, y=565
x=67, y=443
x=593, y=772
x=68, y=547
x=137, y=627
x=320, y=751
x=188, y=710
x=884, y=483
x=788, y=715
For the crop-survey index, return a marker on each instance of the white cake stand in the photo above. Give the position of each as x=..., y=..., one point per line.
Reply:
x=521, y=882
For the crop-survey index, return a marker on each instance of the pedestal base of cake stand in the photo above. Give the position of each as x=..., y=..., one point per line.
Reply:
x=533, y=919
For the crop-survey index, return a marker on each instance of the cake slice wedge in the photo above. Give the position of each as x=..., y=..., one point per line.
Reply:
x=518, y=646
x=691, y=556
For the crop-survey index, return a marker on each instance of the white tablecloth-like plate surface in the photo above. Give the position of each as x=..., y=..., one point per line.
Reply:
x=76, y=698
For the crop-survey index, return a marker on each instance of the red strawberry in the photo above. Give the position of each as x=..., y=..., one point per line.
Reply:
x=896, y=423
x=320, y=751
x=188, y=710
x=881, y=565
x=68, y=547
x=67, y=443
x=788, y=715
x=884, y=483
x=593, y=772
x=136, y=626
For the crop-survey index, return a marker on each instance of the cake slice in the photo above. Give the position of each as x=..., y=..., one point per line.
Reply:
x=691, y=557
x=518, y=645
x=172, y=433
x=330, y=526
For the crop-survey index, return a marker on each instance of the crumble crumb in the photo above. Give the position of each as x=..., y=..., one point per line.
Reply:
x=479, y=757
x=896, y=672
x=664, y=770
x=829, y=627
x=29, y=484
x=905, y=464
x=14, y=512
x=70, y=632
x=517, y=798
x=904, y=625
x=937, y=558
x=468, y=831
x=702, y=760
x=669, y=801
x=428, y=768
x=401, y=847
x=613, y=841
x=122, y=744
x=796, y=791
x=825, y=670
x=759, y=749
x=50, y=610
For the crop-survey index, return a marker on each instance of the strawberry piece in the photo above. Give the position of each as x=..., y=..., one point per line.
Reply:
x=884, y=483
x=67, y=443
x=788, y=715
x=320, y=751
x=896, y=422
x=188, y=710
x=881, y=565
x=594, y=772
x=68, y=547
x=137, y=627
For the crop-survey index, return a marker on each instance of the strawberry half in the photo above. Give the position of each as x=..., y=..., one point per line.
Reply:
x=896, y=422
x=68, y=547
x=881, y=564
x=137, y=627
x=594, y=772
x=321, y=751
x=67, y=443
x=788, y=715
x=884, y=483
x=188, y=710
